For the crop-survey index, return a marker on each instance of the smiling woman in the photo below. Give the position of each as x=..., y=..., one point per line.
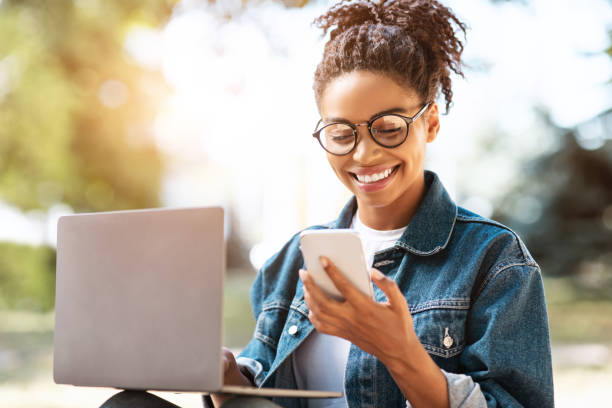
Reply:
x=454, y=291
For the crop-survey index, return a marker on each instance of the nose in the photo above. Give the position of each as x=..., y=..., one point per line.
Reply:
x=366, y=150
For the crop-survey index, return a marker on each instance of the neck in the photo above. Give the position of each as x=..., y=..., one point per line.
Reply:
x=396, y=214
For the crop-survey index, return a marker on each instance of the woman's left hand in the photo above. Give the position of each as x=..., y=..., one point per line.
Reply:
x=384, y=330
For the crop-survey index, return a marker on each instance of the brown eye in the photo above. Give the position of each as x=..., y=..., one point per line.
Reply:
x=389, y=130
x=337, y=138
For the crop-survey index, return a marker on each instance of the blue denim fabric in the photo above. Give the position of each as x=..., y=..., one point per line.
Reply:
x=466, y=278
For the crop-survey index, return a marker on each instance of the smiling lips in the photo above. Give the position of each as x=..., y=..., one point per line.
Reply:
x=367, y=179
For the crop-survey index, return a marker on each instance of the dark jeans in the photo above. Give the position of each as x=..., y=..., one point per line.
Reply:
x=142, y=399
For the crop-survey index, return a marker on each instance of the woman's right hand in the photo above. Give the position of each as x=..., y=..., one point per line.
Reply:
x=231, y=376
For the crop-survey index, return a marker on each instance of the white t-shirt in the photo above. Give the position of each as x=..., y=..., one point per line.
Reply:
x=320, y=361
x=375, y=240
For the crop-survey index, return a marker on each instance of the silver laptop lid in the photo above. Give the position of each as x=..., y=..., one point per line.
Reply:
x=139, y=298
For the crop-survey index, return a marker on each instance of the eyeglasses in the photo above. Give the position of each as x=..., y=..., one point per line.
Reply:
x=387, y=130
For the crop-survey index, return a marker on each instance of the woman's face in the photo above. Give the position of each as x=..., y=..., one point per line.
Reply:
x=357, y=97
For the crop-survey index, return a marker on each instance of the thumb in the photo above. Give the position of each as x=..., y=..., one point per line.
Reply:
x=389, y=287
x=228, y=359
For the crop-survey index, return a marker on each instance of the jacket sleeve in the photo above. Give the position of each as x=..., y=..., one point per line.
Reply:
x=507, y=351
x=275, y=283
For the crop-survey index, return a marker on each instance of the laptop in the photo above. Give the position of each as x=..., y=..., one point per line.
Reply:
x=139, y=302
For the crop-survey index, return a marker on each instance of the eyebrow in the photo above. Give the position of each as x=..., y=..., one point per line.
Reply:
x=386, y=111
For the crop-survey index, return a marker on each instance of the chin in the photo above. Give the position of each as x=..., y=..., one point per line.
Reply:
x=374, y=202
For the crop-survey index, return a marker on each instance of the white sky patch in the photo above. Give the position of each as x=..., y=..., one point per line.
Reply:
x=20, y=228
x=548, y=53
x=143, y=44
x=33, y=227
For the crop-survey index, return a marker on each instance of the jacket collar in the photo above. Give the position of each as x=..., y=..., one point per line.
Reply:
x=430, y=229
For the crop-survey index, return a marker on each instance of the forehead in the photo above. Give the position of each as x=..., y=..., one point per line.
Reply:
x=358, y=95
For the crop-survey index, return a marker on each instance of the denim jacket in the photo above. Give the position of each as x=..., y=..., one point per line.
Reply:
x=476, y=299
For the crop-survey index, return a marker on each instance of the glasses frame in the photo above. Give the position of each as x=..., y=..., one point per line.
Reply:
x=407, y=119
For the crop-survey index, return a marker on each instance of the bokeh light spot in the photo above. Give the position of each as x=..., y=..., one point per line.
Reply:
x=113, y=93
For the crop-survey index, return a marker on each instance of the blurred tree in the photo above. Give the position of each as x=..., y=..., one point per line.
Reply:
x=563, y=208
x=75, y=111
x=75, y=122
x=27, y=278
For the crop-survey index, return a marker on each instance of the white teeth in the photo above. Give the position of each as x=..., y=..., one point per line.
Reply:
x=371, y=178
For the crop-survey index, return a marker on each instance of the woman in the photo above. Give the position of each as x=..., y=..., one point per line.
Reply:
x=459, y=317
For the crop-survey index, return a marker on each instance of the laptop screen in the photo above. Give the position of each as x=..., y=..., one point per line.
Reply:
x=139, y=298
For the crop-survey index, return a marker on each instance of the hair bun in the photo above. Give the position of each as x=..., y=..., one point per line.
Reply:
x=417, y=17
x=347, y=14
x=413, y=40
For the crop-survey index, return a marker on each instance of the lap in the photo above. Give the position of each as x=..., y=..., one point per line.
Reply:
x=141, y=399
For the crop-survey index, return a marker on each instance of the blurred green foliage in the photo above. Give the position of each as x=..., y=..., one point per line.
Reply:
x=75, y=110
x=576, y=315
x=27, y=277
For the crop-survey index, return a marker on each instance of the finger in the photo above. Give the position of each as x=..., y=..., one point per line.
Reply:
x=323, y=314
x=344, y=286
x=325, y=326
x=317, y=297
x=228, y=358
x=310, y=302
x=390, y=288
x=325, y=311
x=325, y=308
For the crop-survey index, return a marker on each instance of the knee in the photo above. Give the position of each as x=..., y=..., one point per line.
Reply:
x=137, y=399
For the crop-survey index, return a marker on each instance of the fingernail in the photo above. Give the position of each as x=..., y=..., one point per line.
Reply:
x=323, y=261
x=377, y=274
x=301, y=273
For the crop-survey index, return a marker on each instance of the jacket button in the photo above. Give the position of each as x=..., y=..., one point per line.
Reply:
x=448, y=340
x=293, y=330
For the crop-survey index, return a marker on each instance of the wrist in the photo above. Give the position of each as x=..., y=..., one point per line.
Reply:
x=409, y=363
x=419, y=378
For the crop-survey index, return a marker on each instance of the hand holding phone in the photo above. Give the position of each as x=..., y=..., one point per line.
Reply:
x=343, y=247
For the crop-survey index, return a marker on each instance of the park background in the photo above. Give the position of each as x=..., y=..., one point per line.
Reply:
x=122, y=104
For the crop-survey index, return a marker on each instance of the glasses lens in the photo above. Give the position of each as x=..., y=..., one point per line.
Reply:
x=337, y=138
x=389, y=130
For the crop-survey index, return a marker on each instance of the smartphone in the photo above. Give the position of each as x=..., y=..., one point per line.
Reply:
x=344, y=248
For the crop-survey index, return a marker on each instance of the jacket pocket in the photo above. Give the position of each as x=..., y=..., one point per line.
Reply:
x=270, y=322
x=440, y=326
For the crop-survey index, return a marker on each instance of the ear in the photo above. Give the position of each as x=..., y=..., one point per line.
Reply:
x=432, y=122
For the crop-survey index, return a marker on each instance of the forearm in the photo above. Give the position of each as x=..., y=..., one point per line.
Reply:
x=420, y=379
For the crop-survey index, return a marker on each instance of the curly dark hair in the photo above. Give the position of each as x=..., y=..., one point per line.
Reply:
x=412, y=41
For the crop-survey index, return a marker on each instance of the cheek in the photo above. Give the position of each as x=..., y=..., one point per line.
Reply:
x=414, y=152
x=336, y=164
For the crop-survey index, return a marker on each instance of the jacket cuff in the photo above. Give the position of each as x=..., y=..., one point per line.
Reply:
x=252, y=369
x=463, y=391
